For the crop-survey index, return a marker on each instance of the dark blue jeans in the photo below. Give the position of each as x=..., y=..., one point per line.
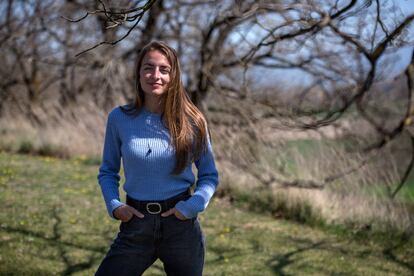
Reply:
x=140, y=242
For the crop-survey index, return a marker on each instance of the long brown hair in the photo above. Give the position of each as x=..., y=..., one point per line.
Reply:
x=185, y=122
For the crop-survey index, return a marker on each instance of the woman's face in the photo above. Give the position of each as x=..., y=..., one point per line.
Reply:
x=154, y=74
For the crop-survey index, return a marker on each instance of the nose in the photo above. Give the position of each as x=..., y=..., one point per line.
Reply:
x=156, y=73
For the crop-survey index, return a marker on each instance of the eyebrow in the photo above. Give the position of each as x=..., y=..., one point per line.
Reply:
x=162, y=65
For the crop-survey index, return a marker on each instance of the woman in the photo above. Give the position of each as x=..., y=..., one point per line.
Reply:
x=158, y=137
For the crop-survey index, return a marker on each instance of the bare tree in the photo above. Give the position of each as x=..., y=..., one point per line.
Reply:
x=323, y=61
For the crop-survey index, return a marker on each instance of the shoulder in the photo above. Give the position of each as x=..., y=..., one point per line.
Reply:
x=117, y=116
x=114, y=113
x=121, y=111
x=122, y=114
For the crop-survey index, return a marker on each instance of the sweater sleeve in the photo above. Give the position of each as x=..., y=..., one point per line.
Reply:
x=108, y=176
x=207, y=181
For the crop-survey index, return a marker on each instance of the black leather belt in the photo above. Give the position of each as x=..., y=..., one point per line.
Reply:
x=156, y=207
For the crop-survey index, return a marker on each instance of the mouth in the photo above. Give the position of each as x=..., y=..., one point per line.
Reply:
x=155, y=84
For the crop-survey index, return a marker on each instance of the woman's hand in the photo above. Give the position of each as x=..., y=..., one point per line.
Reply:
x=125, y=213
x=175, y=212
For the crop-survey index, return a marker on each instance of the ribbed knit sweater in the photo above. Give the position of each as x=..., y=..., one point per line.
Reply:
x=142, y=142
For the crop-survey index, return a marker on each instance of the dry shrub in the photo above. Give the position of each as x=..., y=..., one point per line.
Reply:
x=359, y=196
x=351, y=210
x=65, y=135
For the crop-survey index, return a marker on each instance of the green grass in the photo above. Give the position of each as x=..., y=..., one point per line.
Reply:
x=404, y=195
x=53, y=222
x=407, y=191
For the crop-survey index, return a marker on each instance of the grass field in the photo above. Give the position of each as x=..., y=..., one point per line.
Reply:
x=53, y=222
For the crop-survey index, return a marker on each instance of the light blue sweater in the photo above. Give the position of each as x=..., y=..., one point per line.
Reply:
x=148, y=158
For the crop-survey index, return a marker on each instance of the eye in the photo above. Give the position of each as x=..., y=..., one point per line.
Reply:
x=165, y=70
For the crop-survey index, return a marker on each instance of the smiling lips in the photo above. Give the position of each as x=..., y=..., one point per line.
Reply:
x=155, y=84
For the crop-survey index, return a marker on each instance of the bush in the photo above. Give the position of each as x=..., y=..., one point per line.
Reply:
x=25, y=147
x=279, y=204
x=53, y=151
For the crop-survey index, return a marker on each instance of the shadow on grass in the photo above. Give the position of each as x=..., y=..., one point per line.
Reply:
x=226, y=252
x=65, y=247
x=279, y=264
x=70, y=267
x=281, y=261
x=390, y=255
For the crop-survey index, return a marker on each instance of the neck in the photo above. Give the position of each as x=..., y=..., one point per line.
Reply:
x=154, y=104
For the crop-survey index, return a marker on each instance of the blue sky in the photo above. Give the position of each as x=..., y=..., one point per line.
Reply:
x=407, y=7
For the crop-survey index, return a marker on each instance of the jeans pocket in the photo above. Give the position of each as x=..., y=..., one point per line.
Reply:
x=180, y=220
x=125, y=225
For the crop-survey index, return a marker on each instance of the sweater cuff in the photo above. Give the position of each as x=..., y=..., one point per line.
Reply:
x=113, y=204
x=191, y=207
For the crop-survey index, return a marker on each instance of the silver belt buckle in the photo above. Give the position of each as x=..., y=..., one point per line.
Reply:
x=148, y=206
